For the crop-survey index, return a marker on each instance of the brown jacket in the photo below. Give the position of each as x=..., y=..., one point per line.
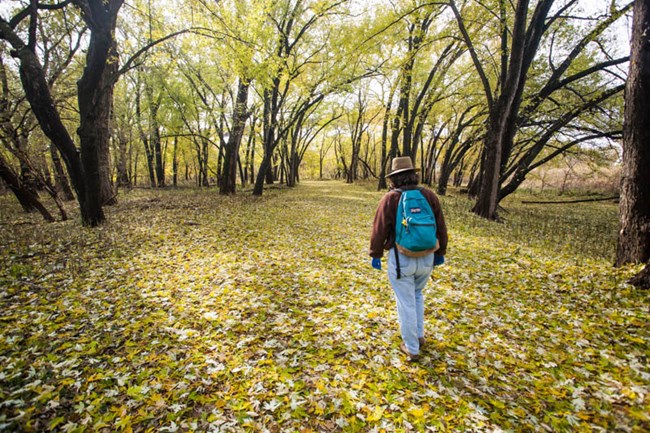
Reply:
x=383, y=228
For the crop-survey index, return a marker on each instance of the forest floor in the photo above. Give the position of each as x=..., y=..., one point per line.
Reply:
x=188, y=311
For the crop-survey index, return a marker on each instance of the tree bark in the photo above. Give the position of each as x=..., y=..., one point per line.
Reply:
x=154, y=135
x=382, y=184
x=264, y=167
x=123, y=180
x=26, y=197
x=175, y=163
x=634, y=232
x=269, y=140
x=239, y=117
x=60, y=178
x=148, y=150
x=642, y=279
x=95, y=97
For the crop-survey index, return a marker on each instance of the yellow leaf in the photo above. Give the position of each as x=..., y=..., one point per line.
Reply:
x=417, y=412
x=377, y=414
x=95, y=377
x=56, y=421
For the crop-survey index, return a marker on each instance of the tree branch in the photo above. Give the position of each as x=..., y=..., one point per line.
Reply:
x=128, y=64
x=472, y=51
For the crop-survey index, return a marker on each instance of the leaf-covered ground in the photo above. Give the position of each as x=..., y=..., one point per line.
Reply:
x=189, y=311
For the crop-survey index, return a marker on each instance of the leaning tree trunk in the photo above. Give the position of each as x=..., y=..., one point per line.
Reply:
x=263, y=169
x=26, y=197
x=634, y=233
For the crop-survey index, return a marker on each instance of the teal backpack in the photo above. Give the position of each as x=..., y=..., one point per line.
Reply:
x=415, y=225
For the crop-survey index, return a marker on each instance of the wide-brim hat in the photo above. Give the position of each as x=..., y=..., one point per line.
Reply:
x=401, y=164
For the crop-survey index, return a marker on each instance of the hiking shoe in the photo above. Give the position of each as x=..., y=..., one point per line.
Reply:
x=412, y=358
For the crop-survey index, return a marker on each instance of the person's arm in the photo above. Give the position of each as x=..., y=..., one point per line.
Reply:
x=383, y=226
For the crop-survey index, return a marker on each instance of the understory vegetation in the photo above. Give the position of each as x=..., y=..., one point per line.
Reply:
x=190, y=311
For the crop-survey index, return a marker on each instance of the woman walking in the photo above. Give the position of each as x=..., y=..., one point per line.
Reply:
x=409, y=224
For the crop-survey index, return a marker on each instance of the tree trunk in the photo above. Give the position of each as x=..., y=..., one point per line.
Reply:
x=240, y=167
x=501, y=112
x=123, y=180
x=28, y=179
x=474, y=182
x=205, y=152
x=151, y=140
x=157, y=148
x=95, y=97
x=107, y=190
x=150, y=158
x=269, y=124
x=382, y=184
x=634, y=232
x=175, y=163
x=445, y=175
x=356, y=135
x=60, y=178
x=460, y=174
x=231, y=157
x=148, y=148
x=642, y=279
x=265, y=167
x=486, y=205
x=250, y=153
x=26, y=197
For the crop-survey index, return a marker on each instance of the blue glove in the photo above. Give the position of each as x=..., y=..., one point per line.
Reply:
x=376, y=263
x=438, y=260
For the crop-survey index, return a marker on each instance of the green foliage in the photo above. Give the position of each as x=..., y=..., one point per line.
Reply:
x=190, y=311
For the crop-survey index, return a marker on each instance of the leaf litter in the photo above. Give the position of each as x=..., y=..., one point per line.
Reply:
x=234, y=314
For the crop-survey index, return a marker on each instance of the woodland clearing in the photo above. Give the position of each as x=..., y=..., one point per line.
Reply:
x=190, y=311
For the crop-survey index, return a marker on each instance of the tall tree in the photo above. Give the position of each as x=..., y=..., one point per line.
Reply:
x=357, y=124
x=634, y=233
x=231, y=155
x=580, y=97
x=518, y=48
x=94, y=97
x=292, y=22
x=418, y=24
x=513, y=69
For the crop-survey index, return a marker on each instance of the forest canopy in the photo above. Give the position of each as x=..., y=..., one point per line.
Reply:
x=240, y=94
